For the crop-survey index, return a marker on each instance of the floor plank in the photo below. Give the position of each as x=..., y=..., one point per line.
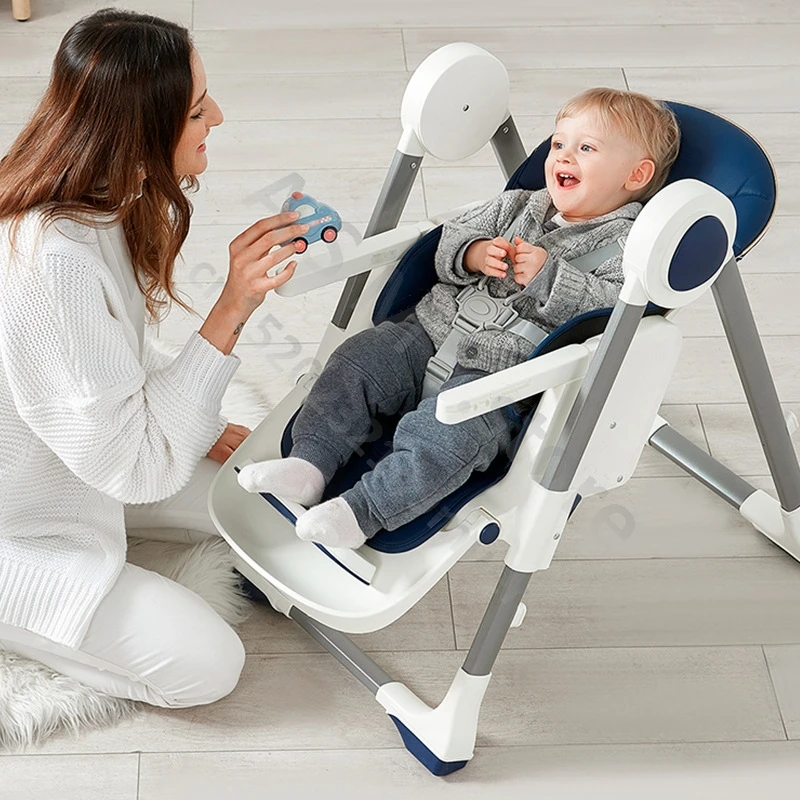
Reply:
x=266, y=52
x=655, y=602
x=784, y=662
x=672, y=518
x=665, y=45
x=771, y=298
x=775, y=251
x=605, y=772
x=725, y=89
x=78, y=777
x=706, y=373
x=245, y=196
x=57, y=16
x=361, y=14
x=589, y=696
x=733, y=438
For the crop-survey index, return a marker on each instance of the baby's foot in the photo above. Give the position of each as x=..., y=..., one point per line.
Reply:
x=332, y=523
x=290, y=478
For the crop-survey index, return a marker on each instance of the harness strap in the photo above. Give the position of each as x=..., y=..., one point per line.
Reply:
x=478, y=310
x=590, y=261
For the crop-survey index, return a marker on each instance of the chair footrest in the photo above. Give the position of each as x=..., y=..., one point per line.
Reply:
x=293, y=573
x=351, y=561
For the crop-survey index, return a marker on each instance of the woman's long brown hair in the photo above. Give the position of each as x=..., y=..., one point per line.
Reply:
x=117, y=103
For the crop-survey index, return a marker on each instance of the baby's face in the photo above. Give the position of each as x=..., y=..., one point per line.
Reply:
x=590, y=170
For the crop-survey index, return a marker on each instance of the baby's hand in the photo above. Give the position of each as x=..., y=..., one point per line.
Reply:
x=488, y=257
x=528, y=261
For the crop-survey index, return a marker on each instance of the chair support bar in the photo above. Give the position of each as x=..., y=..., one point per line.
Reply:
x=594, y=391
x=508, y=147
x=385, y=216
x=496, y=621
x=699, y=464
x=346, y=652
x=759, y=388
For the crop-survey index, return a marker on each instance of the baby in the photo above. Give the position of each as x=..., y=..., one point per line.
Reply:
x=611, y=151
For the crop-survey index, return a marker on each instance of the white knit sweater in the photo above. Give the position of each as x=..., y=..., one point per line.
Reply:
x=89, y=420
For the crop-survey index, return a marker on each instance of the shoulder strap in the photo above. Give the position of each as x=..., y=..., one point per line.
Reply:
x=590, y=261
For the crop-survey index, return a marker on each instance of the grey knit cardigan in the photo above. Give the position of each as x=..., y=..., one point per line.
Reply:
x=558, y=293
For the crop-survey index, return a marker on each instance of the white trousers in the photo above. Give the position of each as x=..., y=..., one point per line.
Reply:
x=151, y=639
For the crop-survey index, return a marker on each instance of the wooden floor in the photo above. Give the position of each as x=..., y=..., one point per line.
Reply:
x=665, y=664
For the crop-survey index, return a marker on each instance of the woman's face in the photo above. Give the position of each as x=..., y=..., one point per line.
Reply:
x=190, y=155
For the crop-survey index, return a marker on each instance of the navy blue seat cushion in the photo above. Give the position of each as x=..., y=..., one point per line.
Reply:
x=712, y=150
x=423, y=527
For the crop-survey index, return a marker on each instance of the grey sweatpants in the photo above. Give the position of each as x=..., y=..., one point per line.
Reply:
x=379, y=372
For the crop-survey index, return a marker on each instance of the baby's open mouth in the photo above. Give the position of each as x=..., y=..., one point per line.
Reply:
x=566, y=179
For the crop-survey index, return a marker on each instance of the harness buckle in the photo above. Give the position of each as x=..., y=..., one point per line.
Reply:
x=479, y=311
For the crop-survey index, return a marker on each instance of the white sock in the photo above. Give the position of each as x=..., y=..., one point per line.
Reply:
x=331, y=523
x=291, y=478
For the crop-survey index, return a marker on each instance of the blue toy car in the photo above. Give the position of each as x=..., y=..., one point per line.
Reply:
x=324, y=223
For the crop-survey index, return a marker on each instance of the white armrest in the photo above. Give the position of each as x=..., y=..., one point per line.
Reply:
x=510, y=385
x=322, y=263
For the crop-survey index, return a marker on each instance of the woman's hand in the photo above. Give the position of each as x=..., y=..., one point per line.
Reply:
x=252, y=256
x=231, y=438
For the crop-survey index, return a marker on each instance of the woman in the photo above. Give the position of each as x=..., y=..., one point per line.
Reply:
x=97, y=431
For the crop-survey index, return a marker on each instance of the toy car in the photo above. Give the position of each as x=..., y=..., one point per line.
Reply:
x=324, y=223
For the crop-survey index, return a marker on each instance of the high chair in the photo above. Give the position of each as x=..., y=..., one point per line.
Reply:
x=594, y=387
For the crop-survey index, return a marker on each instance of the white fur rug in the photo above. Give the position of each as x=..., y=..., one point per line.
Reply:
x=36, y=702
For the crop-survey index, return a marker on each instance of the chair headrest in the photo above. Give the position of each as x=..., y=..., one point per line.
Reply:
x=713, y=150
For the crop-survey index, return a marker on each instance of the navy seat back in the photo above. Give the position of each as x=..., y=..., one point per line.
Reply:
x=712, y=150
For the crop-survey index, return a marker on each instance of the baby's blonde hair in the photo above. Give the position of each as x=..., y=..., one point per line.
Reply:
x=644, y=121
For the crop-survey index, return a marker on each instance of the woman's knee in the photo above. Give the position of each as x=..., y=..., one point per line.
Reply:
x=209, y=656
x=201, y=670
x=168, y=637
x=217, y=668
